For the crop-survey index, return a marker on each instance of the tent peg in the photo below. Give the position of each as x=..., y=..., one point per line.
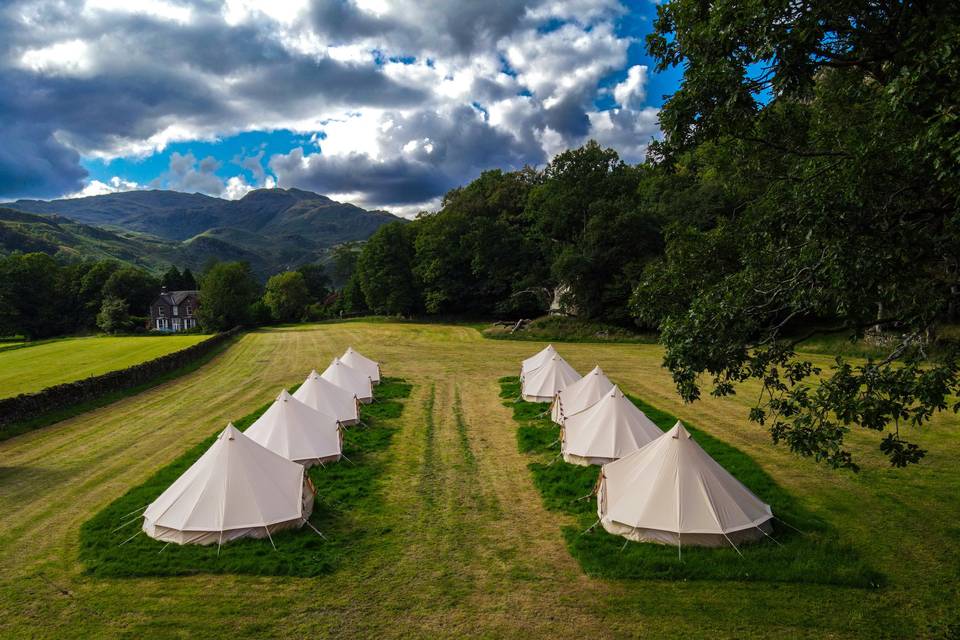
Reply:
x=590, y=528
x=130, y=538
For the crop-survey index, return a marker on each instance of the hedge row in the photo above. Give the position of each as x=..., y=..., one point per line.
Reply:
x=28, y=406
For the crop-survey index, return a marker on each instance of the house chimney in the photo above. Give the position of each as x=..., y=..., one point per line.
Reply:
x=163, y=289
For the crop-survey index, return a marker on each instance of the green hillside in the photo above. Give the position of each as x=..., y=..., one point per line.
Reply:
x=64, y=238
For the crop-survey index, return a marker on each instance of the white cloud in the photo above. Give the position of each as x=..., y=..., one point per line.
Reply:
x=98, y=188
x=284, y=11
x=633, y=90
x=628, y=131
x=70, y=57
x=565, y=61
x=236, y=188
x=153, y=8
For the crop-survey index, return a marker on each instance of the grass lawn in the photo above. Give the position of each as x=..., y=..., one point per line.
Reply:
x=815, y=556
x=456, y=540
x=110, y=549
x=34, y=367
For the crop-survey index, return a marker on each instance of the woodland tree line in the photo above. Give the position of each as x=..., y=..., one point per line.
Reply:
x=807, y=183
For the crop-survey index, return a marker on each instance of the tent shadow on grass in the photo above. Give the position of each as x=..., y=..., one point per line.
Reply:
x=816, y=556
x=343, y=491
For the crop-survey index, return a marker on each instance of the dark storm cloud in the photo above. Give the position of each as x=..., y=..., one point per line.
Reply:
x=434, y=26
x=33, y=163
x=397, y=180
x=449, y=149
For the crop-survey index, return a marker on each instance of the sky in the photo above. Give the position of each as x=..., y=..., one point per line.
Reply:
x=384, y=103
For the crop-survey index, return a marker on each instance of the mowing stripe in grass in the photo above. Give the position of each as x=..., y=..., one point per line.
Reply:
x=428, y=470
x=466, y=450
x=816, y=556
x=345, y=491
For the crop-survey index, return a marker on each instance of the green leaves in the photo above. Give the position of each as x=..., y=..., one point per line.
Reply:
x=228, y=290
x=820, y=135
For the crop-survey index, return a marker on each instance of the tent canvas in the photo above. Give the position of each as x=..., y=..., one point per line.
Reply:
x=580, y=395
x=609, y=430
x=236, y=489
x=542, y=383
x=362, y=363
x=672, y=492
x=346, y=377
x=298, y=432
x=536, y=361
x=328, y=398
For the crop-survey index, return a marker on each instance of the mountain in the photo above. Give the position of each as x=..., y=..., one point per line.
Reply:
x=273, y=229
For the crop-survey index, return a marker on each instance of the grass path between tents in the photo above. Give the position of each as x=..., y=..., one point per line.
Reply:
x=461, y=541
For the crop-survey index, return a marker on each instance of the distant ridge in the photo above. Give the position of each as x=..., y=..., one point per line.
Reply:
x=273, y=229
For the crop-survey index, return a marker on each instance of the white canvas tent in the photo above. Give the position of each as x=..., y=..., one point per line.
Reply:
x=236, y=489
x=362, y=363
x=353, y=380
x=672, y=492
x=537, y=361
x=580, y=395
x=298, y=432
x=328, y=398
x=541, y=384
x=609, y=430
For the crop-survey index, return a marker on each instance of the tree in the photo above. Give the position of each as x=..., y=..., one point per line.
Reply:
x=114, y=316
x=287, y=296
x=227, y=291
x=30, y=296
x=351, y=298
x=826, y=125
x=187, y=281
x=344, y=262
x=596, y=237
x=89, y=291
x=172, y=279
x=137, y=287
x=479, y=251
x=385, y=271
x=316, y=281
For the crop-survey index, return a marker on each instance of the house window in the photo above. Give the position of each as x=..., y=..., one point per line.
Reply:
x=175, y=310
x=160, y=310
x=189, y=310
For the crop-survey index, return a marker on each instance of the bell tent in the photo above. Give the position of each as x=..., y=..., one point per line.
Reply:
x=542, y=383
x=236, y=489
x=537, y=361
x=672, y=492
x=609, y=430
x=298, y=432
x=580, y=395
x=362, y=363
x=353, y=380
x=328, y=398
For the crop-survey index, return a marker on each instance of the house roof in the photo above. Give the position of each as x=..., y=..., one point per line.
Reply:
x=175, y=297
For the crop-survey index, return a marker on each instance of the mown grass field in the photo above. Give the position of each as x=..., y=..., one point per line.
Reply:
x=34, y=367
x=464, y=544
